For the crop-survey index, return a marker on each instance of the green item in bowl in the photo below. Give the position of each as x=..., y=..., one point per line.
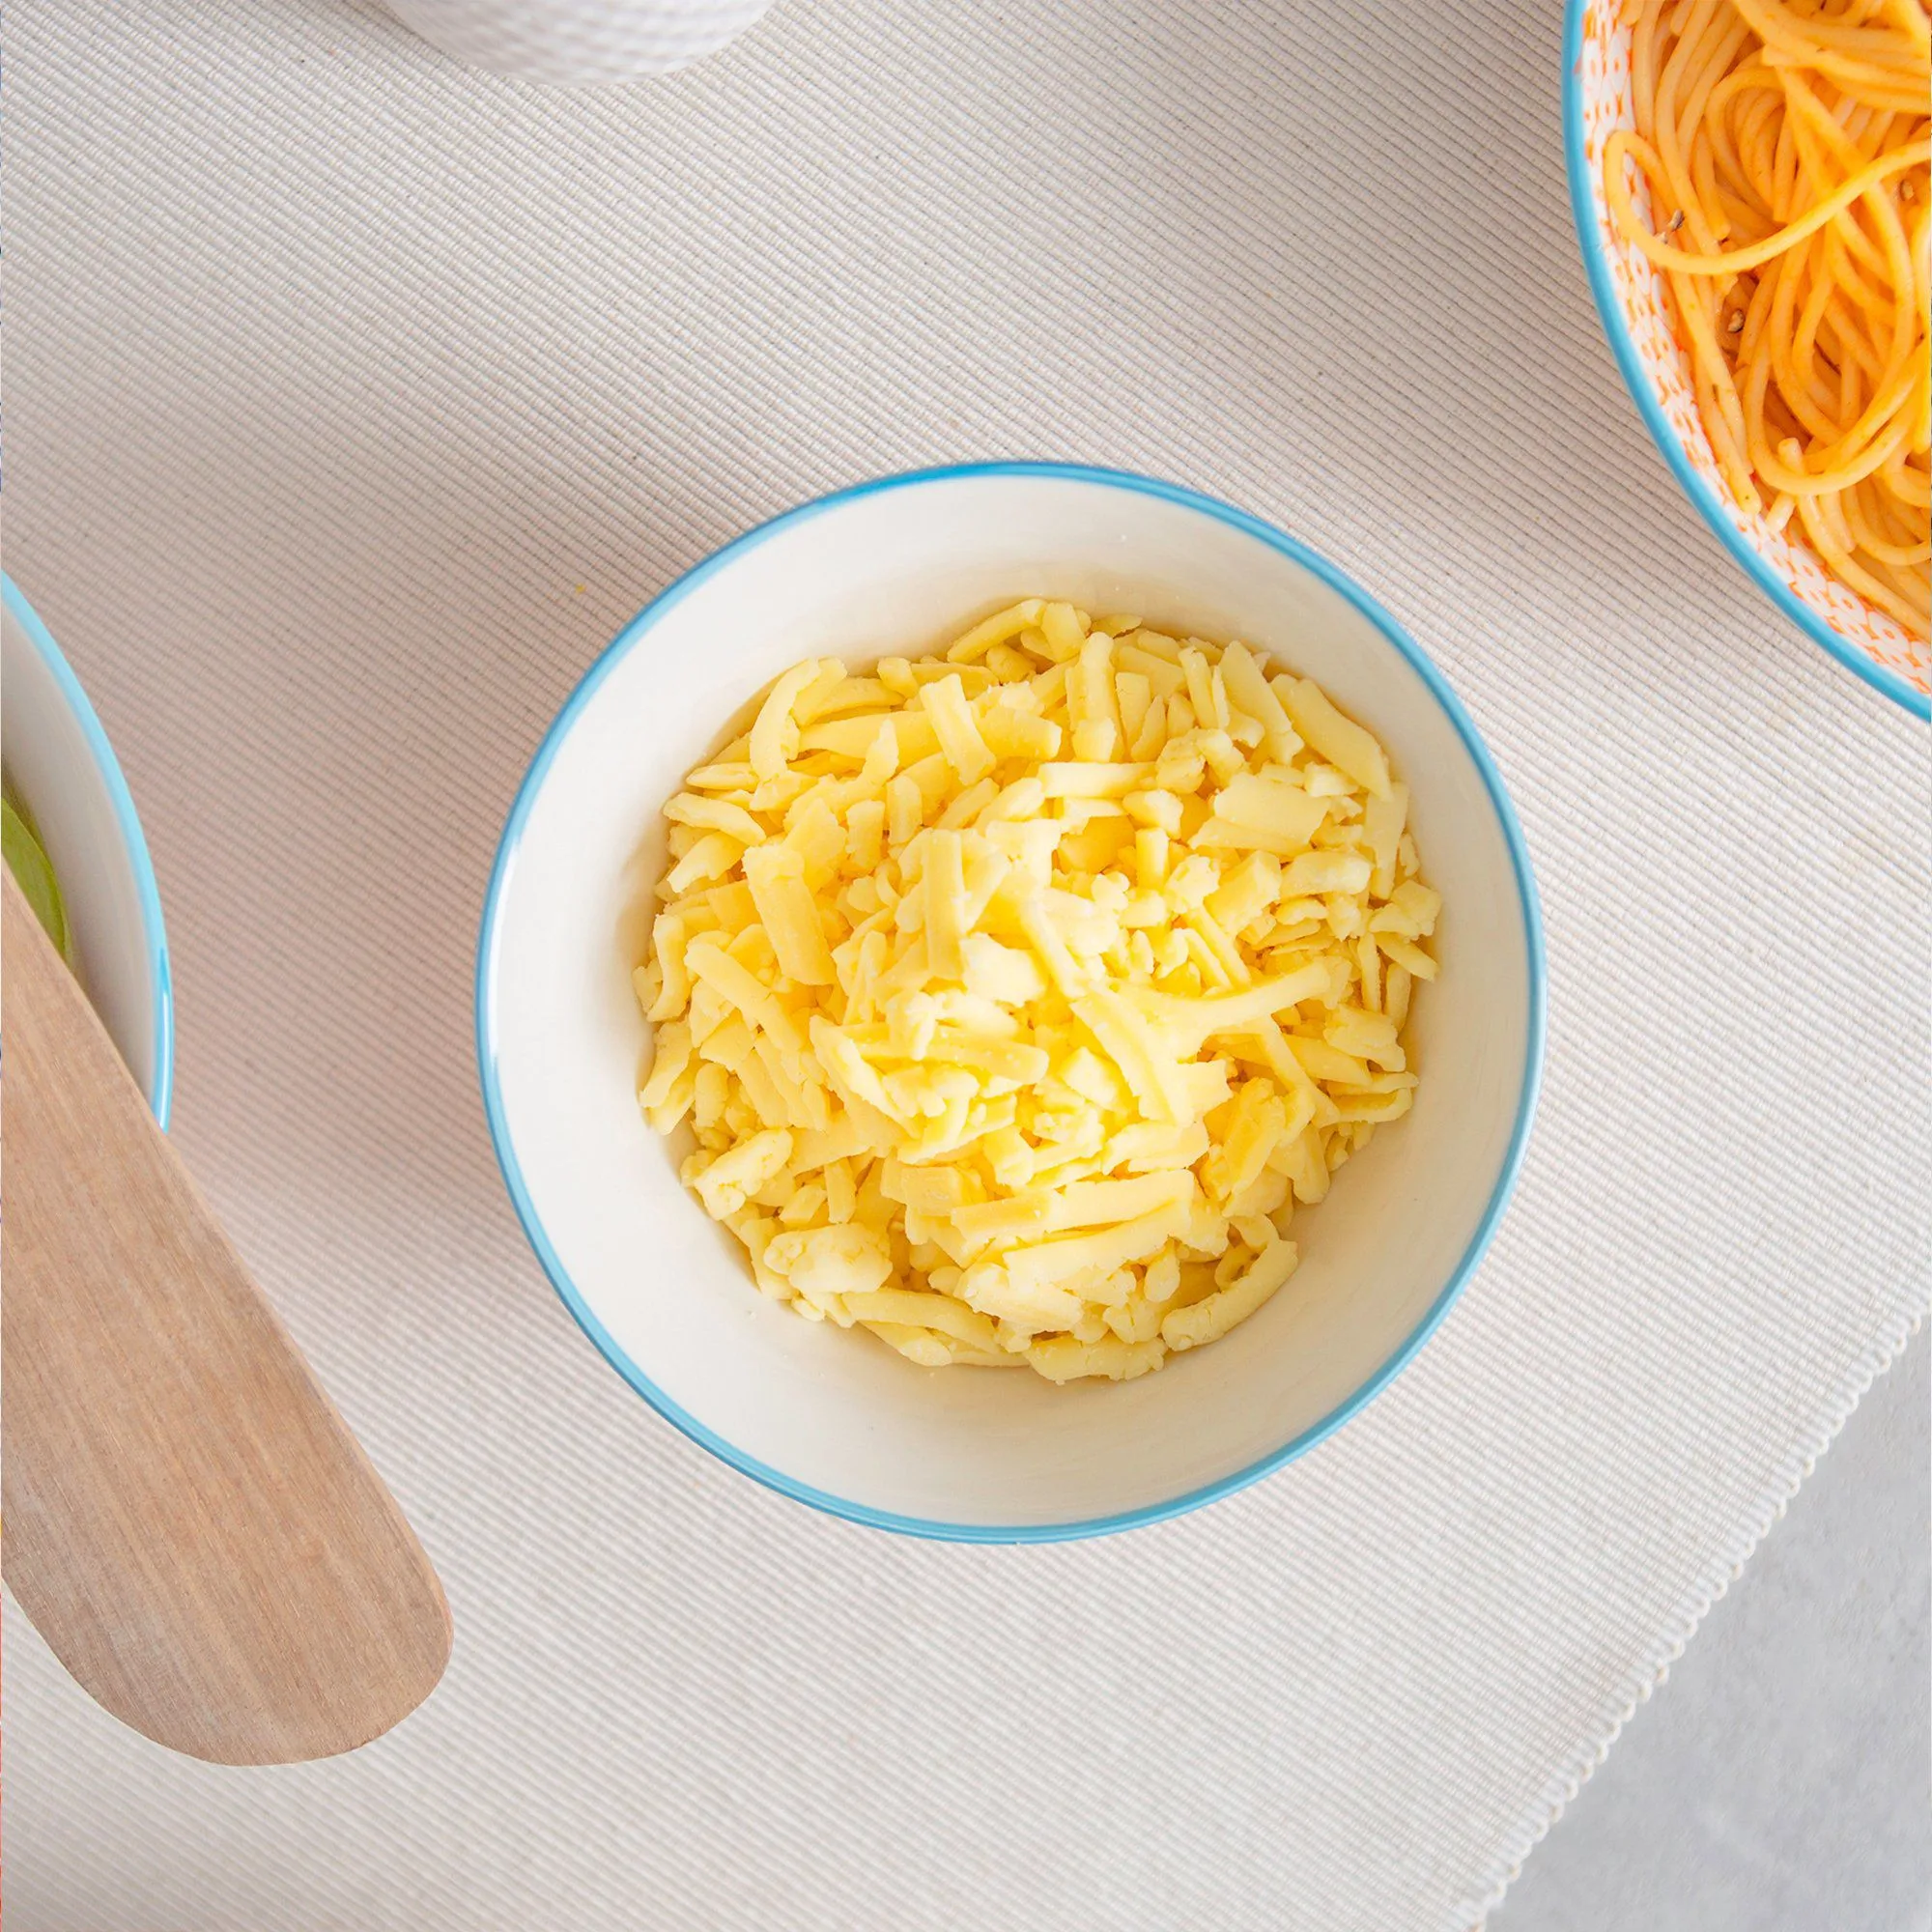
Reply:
x=28, y=861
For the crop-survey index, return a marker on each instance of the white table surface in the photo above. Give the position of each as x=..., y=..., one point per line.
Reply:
x=355, y=400
x=1782, y=1781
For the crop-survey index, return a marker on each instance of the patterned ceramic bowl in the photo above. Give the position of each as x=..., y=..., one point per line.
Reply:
x=1634, y=304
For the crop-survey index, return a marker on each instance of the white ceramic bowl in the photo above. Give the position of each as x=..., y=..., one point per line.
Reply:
x=579, y=42
x=59, y=762
x=1637, y=316
x=829, y=1417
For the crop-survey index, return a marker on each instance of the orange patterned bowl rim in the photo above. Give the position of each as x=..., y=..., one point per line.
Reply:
x=1656, y=363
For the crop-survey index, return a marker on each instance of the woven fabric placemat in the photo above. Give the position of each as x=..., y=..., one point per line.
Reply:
x=355, y=400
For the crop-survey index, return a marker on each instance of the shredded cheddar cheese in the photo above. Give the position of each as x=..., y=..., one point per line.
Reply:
x=1016, y=998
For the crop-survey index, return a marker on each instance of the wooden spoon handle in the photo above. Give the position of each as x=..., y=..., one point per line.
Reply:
x=188, y=1520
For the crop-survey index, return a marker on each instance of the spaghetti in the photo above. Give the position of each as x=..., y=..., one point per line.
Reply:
x=1784, y=144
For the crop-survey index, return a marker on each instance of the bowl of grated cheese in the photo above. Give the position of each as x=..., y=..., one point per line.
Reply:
x=1012, y=917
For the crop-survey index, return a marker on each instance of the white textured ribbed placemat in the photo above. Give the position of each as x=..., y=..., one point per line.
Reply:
x=355, y=399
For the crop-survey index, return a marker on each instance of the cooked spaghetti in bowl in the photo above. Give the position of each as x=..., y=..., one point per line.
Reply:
x=1750, y=187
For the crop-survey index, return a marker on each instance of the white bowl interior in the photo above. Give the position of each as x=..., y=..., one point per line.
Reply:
x=903, y=570
x=56, y=768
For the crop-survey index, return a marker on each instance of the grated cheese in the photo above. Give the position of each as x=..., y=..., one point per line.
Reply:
x=1016, y=997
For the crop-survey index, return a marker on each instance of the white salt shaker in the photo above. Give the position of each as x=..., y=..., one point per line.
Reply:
x=578, y=43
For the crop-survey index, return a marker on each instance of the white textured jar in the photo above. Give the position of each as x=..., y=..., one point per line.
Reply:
x=578, y=43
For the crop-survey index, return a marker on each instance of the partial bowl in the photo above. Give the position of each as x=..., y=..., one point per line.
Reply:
x=59, y=763
x=829, y=1416
x=1634, y=301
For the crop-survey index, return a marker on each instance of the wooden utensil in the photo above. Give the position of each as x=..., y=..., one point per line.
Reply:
x=187, y=1519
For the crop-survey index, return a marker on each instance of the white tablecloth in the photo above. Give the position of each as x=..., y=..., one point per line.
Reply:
x=354, y=400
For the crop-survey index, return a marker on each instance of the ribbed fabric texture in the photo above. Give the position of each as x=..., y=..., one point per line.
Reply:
x=355, y=399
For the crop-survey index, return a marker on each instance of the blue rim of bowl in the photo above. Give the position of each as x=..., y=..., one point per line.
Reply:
x=635, y=633
x=1636, y=381
x=154, y=933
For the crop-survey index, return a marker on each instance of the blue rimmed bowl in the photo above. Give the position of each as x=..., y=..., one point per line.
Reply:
x=59, y=763
x=828, y=1417
x=1634, y=301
